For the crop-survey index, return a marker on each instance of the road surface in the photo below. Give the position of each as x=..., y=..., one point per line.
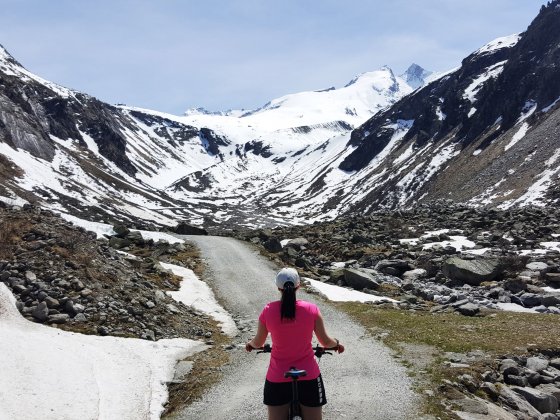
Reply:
x=365, y=382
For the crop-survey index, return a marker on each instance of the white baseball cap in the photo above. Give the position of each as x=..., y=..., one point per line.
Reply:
x=285, y=275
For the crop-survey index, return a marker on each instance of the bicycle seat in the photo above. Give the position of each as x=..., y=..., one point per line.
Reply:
x=295, y=373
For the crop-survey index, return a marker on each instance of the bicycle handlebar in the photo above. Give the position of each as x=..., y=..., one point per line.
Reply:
x=318, y=350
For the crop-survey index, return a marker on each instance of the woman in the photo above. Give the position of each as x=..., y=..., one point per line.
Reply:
x=291, y=324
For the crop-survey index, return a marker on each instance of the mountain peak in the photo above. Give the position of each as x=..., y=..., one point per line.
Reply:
x=415, y=75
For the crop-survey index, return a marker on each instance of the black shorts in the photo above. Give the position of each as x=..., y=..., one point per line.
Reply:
x=311, y=392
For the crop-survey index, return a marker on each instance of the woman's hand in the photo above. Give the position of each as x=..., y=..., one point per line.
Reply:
x=340, y=348
x=249, y=347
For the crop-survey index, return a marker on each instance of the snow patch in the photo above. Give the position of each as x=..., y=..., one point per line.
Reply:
x=341, y=294
x=517, y=136
x=196, y=293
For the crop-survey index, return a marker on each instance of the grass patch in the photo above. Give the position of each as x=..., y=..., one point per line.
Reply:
x=206, y=372
x=499, y=333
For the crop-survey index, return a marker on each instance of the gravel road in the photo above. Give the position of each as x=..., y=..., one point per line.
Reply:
x=365, y=382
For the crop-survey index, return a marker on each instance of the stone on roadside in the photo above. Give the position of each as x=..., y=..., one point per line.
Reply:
x=359, y=280
x=184, y=228
x=273, y=245
x=471, y=272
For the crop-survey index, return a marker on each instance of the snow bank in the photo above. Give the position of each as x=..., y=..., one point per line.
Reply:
x=341, y=294
x=196, y=293
x=514, y=307
x=52, y=374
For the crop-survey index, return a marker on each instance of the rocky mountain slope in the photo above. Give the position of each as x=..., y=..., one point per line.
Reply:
x=484, y=134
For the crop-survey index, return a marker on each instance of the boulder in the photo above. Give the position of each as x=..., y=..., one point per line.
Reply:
x=545, y=403
x=393, y=267
x=468, y=309
x=121, y=230
x=537, y=364
x=530, y=300
x=298, y=243
x=517, y=402
x=273, y=245
x=553, y=279
x=550, y=300
x=550, y=389
x=359, y=280
x=414, y=275
x=515, y=285
x=537, y=266
x=471, y=272
x=184, y=228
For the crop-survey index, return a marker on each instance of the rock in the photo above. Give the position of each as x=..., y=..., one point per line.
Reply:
x=73, y=308
x=516, y=380
x=515, y=285
x=552, y=279
x=184, y=228
x=490, y=389
x=471, y=272
x=30, y=276
x=471, y=405
x=79, y=318
x=102, y=330
x=469, y=382
x=273, y=245
x=537, y=364
x=509, y=367
x=52, y=302
x=136, y=238
x=414, y=275
x=517, y=402
x=550, y=300
x=530, y=300
x=537, y=266
x=41, y=312
x=548, y=416
x=119, y=243
x=555, y=363
x=298, y=243
x=544, y=403
x=58, y=319
x=121, y=230
x=392, y=267
x=550, y=389
x=468, y=309
x=149, y=304
x=359, y=280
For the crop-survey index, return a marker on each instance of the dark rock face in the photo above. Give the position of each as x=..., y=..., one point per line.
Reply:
x=212, y=141
x=442, y=113
x=184, y=228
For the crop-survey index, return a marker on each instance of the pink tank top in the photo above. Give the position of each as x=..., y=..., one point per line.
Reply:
x=291, y=340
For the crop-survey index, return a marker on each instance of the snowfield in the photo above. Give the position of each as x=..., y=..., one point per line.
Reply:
x=52, y=374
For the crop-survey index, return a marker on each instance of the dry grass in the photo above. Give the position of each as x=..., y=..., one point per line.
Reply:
x=499, y=333
x=11, y=231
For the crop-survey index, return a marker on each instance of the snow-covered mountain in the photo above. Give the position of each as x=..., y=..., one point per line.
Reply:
x=76, y=154
x=484, y=133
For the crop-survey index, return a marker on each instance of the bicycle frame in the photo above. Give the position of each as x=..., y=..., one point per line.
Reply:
x=295, y=374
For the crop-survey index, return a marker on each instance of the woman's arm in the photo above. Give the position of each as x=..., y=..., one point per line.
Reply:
x=259, y=339
x=323, y=337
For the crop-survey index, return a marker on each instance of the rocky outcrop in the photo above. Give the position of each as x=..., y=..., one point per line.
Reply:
x=61, y=275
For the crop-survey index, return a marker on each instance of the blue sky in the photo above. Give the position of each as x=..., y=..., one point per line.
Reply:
x=171, y=55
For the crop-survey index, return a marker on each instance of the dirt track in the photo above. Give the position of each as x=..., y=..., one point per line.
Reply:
x=363, y=383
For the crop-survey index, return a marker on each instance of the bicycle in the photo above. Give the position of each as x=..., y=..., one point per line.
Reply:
x=294, y=374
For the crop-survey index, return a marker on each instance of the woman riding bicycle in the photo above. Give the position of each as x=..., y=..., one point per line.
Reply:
x=291, y=324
